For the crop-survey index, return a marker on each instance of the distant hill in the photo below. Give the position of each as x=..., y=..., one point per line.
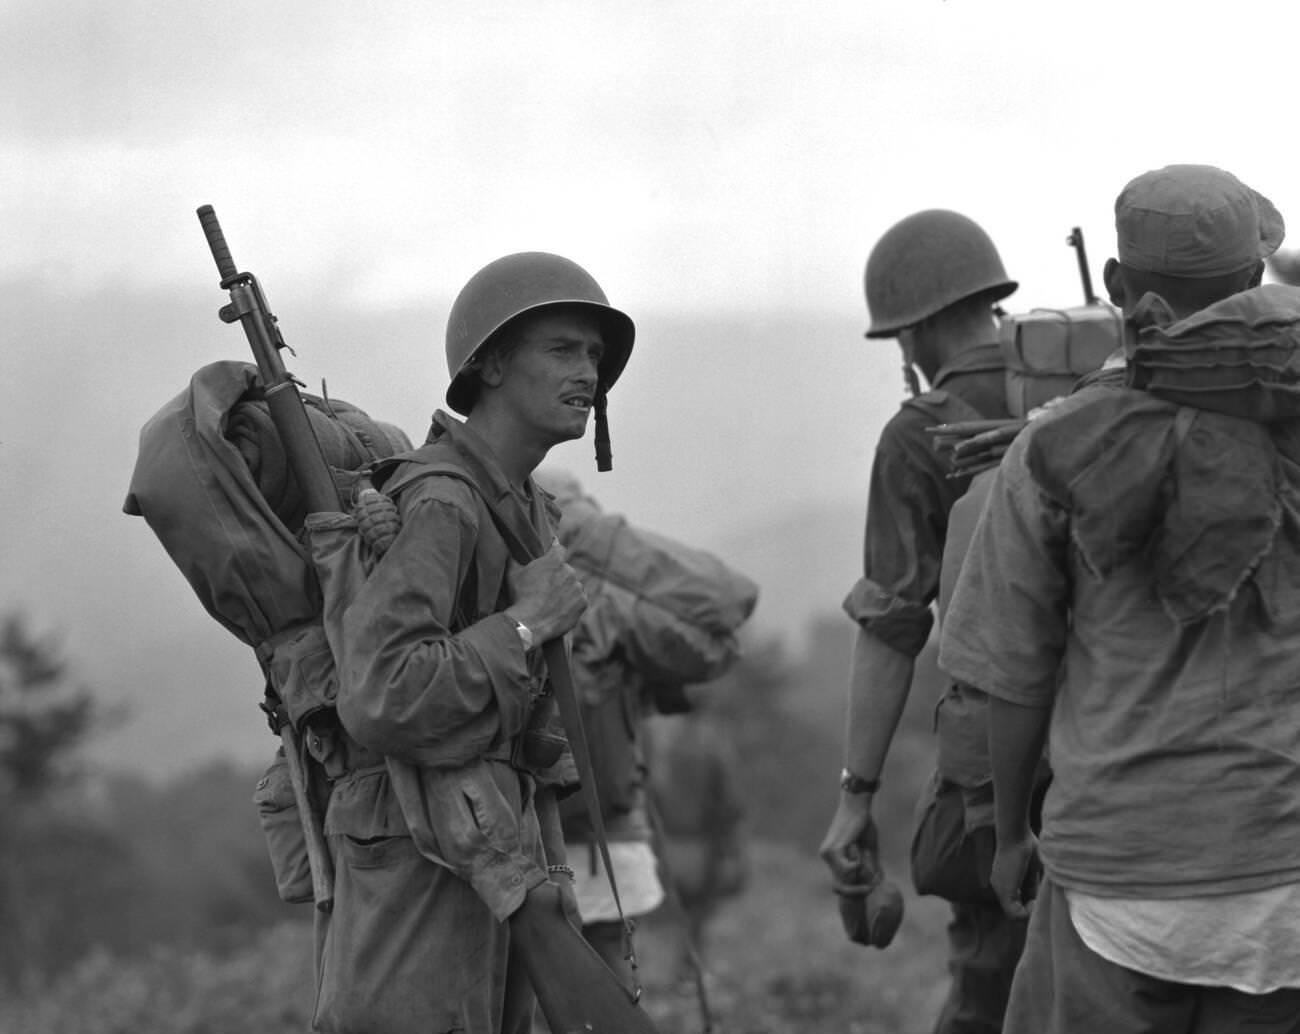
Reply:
x=805, y=559
x=734, y=431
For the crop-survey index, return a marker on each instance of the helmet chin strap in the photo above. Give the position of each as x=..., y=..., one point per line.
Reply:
x=910, y=381
x=604, y=457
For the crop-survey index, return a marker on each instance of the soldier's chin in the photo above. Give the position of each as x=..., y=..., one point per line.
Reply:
x=579, y=424
x=571, y=430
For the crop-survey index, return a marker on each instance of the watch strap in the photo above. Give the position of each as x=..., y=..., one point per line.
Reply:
x=850, y=782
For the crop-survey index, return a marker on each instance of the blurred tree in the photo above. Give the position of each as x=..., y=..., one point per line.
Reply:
x=199, y=849
x=786, y=718
x=782, y=747
x=116, y=862
x=44, y=718
x=55, y=866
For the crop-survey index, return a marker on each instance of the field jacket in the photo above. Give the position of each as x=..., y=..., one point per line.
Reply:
x=1137, y=569
x=437, y=682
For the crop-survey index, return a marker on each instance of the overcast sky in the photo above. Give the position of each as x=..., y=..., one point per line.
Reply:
x=694, y=155
x=721, y=164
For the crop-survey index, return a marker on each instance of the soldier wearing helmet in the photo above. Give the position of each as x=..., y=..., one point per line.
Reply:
x=499, y=302
x=932, y=282
x=445, y=824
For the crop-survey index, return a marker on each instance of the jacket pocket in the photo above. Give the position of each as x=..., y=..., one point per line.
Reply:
x=949, y=858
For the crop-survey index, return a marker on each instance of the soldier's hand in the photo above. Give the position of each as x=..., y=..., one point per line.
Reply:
x=547, y=595
x=851, y=843
x=556, y=895
x=1015, y=874
x=568, y=900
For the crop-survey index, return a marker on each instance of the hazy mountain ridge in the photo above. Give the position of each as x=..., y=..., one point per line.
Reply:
x=728, y=434
x=804, y=558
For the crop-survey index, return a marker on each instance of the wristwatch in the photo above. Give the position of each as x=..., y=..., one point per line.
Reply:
x=525, y=635
x=851, y=783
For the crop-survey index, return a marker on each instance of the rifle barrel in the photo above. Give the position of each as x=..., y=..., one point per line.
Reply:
x=1075, y=240
x=288, y=414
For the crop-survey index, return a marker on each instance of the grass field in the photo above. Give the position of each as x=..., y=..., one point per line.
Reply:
x=778, y=964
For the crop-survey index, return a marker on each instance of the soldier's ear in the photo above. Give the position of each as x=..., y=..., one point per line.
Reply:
x=1112, y=275
x=1258, y=277
x=491, y=370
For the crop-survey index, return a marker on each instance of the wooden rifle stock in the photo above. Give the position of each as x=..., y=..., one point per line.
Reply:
x=576, y=991
x=310, y=470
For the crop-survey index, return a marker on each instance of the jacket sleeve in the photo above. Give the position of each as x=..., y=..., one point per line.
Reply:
x=907, y=518
x=1006, y=628
x=410, y=687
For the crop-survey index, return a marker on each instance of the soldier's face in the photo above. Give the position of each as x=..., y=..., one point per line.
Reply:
x=549, y=379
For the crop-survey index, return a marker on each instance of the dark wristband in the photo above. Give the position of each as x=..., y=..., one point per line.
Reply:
x=851, y=783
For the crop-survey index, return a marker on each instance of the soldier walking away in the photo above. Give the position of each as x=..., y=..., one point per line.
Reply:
x=1129, y=598
x=445, y=824
x=932, y=282
x=696, y=788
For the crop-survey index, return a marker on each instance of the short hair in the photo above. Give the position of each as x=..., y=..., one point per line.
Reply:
x=1188, y=294
x=981, y=304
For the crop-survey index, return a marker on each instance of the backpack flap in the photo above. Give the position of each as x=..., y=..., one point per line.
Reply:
x=193, y=486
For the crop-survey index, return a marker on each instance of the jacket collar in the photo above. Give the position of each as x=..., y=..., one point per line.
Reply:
x=480, y=462
x=982, y=358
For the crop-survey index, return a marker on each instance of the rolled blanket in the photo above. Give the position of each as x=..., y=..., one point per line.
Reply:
x=348, y=437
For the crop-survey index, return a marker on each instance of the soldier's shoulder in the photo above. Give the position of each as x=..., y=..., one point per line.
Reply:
x=425, y=475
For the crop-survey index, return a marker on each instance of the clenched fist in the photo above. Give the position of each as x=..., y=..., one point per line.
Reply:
x=547, y=595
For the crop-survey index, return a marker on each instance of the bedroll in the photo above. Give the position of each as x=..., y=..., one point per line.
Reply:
x=673, y=610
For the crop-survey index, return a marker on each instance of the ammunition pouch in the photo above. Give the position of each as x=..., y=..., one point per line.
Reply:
x=300, y=672
x=286, y=841
x=953, y=842
x=952, y=851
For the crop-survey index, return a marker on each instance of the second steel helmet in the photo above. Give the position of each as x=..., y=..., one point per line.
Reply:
x=522, y=283
x=926, y=262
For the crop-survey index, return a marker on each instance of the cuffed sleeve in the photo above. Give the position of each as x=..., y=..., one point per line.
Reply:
x=899, y=623
x=907, y=517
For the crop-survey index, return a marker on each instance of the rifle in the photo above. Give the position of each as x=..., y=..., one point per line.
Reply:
x=1075, y=240
x=310, y=469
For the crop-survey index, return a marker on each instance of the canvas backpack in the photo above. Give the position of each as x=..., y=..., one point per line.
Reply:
x=212, y=482
x=1046, y=351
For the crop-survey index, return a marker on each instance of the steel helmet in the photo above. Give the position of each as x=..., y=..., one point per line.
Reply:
x=926, y=262
x=517, y=284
